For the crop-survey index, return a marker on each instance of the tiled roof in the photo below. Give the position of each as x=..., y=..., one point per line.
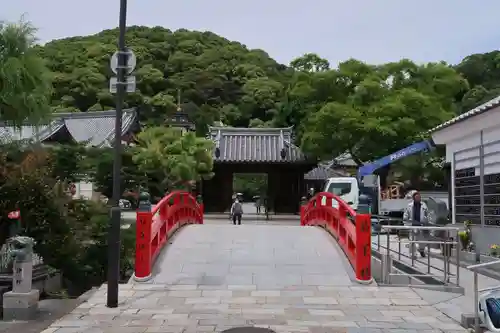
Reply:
x=474, y=112
x=322, y=173
x=97, y=128
x=254, y=145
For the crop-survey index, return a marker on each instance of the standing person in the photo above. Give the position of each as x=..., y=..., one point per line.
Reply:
x=237, y=211
x=257, y=205
x=417, y=214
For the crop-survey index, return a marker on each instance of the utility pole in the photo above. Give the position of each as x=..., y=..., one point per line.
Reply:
x=114, y=227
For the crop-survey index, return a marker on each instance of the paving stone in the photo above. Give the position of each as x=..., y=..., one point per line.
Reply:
x=320, y=300
x=266, y=293
x=184, y=293
x=216, y=277
x=242, y=287
x=414, y=326
x=322, y=312
x=218, y=293
x=203, y=300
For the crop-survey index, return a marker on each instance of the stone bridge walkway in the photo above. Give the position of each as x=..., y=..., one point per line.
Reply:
x=288, y=278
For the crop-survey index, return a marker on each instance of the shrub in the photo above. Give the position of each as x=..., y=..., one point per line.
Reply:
x=70, y=235
x=464, y=236
x=494, y=250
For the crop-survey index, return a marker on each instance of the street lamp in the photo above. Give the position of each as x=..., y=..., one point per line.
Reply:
x=114, y=228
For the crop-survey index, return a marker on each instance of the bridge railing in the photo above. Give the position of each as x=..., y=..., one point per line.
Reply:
x=351, y=230
x=154, y=227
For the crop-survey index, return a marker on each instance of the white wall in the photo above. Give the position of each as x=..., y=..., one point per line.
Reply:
x=487, y=121
x=85, y=190
x=491, y=150
x=463, y=141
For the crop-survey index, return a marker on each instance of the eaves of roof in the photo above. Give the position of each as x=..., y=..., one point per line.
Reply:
x=469, y=114
x=94, y=128
x=127, y=121
x=255, y=145
x=321, y=173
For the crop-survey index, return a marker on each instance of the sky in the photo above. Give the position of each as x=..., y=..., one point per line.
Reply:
x=375, y=31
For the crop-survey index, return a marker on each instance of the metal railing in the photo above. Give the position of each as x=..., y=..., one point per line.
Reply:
x=446, y=243
x=474, y=269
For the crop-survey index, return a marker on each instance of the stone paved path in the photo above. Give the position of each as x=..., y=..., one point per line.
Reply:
x=262, y=255
x=287, y=278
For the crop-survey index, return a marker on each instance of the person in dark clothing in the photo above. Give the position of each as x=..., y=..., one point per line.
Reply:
x=258, y=205
x=417, y=214
x=237, y=211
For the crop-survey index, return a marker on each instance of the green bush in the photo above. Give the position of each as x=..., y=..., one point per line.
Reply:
x=90, y=222
x=70, y=235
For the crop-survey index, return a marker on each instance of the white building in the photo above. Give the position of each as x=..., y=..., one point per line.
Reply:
x=472, y=143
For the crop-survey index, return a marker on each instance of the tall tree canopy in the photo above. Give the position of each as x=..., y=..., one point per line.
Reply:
x=25, y=86
x=380, y=109
x=172, y=159
x=218, y=79
x=367, y=110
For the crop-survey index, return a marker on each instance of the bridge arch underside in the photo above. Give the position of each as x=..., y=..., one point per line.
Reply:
x=252, y=256
x=285, y=185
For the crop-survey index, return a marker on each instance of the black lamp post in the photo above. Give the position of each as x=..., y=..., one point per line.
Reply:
x=114, y=227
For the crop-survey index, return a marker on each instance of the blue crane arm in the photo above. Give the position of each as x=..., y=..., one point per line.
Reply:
x=370, y=168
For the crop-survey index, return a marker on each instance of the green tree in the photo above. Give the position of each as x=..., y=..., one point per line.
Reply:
x=482, y=72
x=360, y=108
x=310, y=62
x=98, y=164
x=250, y=185
x=70, y=234
x=171, y=159
x=25, y=87
x=385, y=108
x=211, y=72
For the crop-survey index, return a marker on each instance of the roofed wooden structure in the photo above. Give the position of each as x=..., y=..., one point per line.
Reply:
x=96, y=128
x=257, y=150
x=255, y=145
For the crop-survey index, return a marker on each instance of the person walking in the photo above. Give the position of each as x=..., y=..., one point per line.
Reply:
x=237, y=211
x=417, y=214
x=258, y=205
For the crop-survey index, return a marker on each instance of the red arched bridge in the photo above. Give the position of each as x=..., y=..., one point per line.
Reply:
x=210, y=277
x=347, y=237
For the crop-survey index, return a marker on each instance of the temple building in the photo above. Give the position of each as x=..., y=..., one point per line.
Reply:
x=96, y=129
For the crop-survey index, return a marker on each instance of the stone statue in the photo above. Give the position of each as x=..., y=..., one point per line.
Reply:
x=22, y=248
x=22, y=302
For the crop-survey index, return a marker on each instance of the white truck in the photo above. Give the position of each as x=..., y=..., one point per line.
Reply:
x=346, y=188
x=388, y=210
x=349, y=190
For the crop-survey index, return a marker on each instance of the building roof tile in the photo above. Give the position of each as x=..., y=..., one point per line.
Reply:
x=96, y=128
x=322, y=173
x=255, y=145
x=474, y=112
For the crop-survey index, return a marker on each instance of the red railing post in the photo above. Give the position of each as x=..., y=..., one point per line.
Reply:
x=154, y=225
x=352, y=230
x=143, y=253
x=202, y=210
x=363, y=248
x=302, y=214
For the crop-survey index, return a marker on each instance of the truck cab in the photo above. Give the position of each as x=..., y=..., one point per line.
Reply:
x=346, y=188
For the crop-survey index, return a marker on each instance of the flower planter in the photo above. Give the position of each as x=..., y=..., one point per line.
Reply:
x=470, y=257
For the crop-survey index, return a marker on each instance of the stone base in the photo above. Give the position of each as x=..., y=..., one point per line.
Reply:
x=20, y=306
x=468, y=321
